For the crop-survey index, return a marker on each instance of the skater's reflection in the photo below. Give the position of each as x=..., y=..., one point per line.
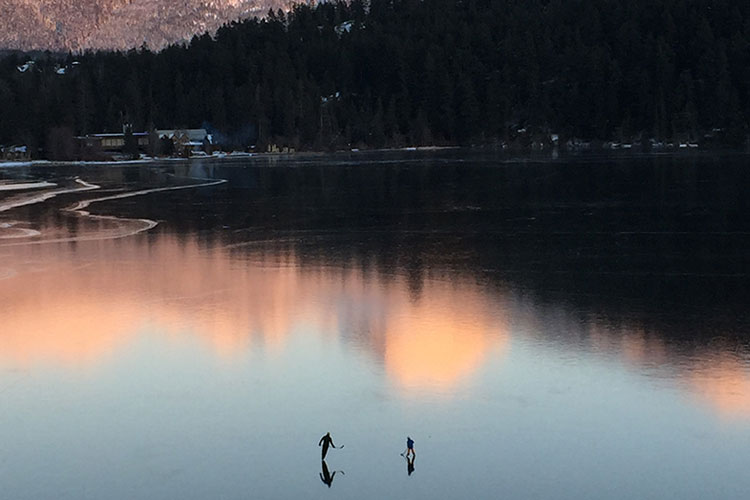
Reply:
x=326, y=475
x=410, y=465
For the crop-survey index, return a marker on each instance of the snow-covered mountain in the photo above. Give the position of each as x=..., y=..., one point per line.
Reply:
x=116, y=24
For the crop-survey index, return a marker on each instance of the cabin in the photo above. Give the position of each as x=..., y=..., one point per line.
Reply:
x=186, y=141
x=14, y=153
x=115, y=143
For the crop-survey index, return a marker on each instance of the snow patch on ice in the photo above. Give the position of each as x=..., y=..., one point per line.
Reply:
x=34, y=198
x=124, y=227
x=25, y=185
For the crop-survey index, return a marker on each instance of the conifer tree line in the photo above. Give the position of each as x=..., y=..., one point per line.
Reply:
x=378, y=73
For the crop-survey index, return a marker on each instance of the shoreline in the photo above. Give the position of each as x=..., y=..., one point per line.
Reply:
x=514, y=155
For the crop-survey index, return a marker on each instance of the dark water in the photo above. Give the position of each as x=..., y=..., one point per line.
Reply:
x=575, y=328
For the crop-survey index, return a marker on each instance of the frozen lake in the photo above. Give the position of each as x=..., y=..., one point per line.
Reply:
x=569, y=329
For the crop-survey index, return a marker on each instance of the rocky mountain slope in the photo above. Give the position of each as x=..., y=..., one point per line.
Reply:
x=116, y=24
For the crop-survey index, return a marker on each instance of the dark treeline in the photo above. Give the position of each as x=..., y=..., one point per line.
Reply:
x=399, y=72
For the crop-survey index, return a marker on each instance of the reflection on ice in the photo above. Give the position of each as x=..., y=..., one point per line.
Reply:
x=8, y=230
x=715, y=373
x=6, y=273
x=443, y=337
x=96, y=299
x=69, y=331
x=434, y=341
x=724, y=383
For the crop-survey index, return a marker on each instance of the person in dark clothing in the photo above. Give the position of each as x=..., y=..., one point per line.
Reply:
x=326, y=441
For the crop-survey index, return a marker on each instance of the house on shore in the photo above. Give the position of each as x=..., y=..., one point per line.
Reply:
x=188, y=141
x=116, y=142
x=14, y=153
x=184, y=141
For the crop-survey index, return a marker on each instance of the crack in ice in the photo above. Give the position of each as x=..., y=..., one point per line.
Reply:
x=79, y=209
x=44, y=196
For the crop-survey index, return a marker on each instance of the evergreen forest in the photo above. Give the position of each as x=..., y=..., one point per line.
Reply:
x=391, y=73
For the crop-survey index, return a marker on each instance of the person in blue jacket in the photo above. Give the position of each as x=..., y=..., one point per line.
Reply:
x=410, y=447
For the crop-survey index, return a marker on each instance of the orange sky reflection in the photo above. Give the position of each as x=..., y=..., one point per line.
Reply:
x=713, y=376
x=725, y=385
x=74, y=305
x=78, y=305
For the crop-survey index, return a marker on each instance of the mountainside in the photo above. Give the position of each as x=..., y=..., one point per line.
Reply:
x=116, y=24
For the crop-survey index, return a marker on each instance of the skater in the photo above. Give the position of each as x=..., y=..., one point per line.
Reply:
x=410, y=447
x=326, y=441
